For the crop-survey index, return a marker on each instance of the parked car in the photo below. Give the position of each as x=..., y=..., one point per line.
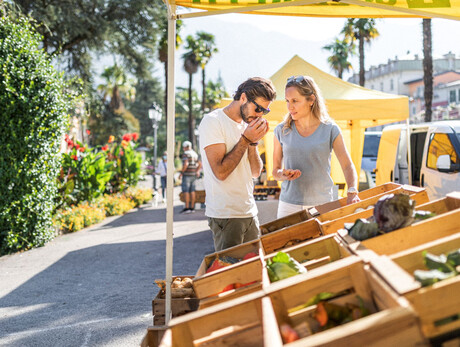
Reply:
x=434, y=156
x=369, y=159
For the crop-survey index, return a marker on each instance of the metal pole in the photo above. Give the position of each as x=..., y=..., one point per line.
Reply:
x=155, y=128
x=170, y=148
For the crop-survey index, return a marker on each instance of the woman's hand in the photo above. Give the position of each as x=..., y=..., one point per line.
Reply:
x=289, y=174
x=352, y=198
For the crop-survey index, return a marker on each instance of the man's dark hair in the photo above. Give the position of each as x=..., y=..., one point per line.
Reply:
x=256, y=87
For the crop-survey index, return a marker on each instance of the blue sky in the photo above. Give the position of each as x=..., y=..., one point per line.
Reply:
x=251, y=45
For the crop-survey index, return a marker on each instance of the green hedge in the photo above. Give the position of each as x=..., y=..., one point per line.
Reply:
x=33, y=116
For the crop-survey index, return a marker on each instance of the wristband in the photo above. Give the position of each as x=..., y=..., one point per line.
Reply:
x=248, y=141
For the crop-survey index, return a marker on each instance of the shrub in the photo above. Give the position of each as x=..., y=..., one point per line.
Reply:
x=139, y=196
x=33, y=115
x=78, y=217
x=116, y=204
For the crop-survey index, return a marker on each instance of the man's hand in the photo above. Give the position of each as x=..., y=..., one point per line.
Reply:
x=256, y=129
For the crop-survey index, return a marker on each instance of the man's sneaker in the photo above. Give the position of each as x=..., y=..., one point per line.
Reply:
x=185, y=210
x=191, y=210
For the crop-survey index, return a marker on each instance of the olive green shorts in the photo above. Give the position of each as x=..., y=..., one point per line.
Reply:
x=229, y=232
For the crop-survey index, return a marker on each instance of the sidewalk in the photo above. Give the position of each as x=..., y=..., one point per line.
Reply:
x=95, y=287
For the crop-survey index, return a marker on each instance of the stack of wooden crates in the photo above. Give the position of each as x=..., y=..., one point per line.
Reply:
x=379, y=271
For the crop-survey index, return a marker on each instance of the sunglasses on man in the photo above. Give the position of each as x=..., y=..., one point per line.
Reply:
x=259, y=108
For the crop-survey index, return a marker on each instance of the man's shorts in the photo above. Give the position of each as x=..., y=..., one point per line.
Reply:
x=229, y=232
x=188, y=184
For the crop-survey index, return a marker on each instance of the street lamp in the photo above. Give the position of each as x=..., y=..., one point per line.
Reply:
x=155, y=115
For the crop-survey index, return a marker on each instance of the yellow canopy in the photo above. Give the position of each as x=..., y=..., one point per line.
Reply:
x=448, y=9
x=353, y=108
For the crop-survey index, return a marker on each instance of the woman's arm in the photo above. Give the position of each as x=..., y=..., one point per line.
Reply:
x=348, y=168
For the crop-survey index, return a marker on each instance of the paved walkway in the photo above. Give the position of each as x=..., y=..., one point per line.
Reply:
x=95, y=287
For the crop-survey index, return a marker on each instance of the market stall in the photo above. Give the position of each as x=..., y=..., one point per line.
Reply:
x=448, y=9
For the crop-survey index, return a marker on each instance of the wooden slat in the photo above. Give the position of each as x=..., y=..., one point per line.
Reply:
x=284, y=222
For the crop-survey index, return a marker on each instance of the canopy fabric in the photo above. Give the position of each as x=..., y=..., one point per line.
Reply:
x=352, y=107
x=449, y=9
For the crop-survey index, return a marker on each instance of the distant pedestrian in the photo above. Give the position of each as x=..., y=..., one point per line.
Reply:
x=191, y=169
x=162, y=171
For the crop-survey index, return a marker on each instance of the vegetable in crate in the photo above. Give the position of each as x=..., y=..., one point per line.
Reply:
x=394, y=211
x=282, y=266
x=219, y=263
x=329, y=315
x=439, y=268
x=362, y=229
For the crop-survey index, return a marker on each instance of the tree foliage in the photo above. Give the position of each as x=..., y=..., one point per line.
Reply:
x=34, y=101
x=340, y=52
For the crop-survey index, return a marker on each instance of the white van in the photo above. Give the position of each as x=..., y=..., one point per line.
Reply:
x=435, y=156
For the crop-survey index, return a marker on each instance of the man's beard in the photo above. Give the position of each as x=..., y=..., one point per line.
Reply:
x=243, y=115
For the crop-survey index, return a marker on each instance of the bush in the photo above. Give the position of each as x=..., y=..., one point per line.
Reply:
x=115, y=205
x=78, y=217
x=33, y=105
x=139, y=196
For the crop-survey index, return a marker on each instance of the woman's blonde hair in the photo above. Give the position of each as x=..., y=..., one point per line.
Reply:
x=307, y=87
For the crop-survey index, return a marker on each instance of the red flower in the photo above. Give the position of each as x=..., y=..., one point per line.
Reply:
x=88, y=132
x=74, y=157
x=135, y=136
x=127, y=137
x=81, y=149
x=121, y=152
x=105, y=148
x=70, y=143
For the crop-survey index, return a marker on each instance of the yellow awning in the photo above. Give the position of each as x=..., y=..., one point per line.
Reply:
x=448, y=9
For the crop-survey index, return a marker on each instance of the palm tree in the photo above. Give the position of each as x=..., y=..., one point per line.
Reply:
x=427, y=68
x=362, y=30
x=191, y=65
x=163, y=51
x=206, y=48
x=341, y=50
x=116, y=84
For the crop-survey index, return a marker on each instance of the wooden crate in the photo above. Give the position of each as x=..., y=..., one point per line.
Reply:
x=237, y=322
x=315, y=253
x=284, y=222
x=433, y=303
x=208, y=286
x=179, y=306
x=291, y=235
x=392, y=320
x=418, y=194
x=365, y=194
x=444, y=224
x=332, y=226
x=153, y=336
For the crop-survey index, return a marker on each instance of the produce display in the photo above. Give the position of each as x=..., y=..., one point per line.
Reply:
x=282, y=266
x=440, y=267
x=391, y=212
x=324, y=315
x=224, y=261
x=180, y=287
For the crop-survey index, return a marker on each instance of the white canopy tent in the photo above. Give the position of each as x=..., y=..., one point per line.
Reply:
x=447, y=9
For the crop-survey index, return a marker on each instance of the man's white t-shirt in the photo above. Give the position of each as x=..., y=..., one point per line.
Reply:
x=232, y=197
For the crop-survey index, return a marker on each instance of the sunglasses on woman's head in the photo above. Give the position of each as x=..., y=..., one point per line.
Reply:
x=259, y=108
x=296, y=79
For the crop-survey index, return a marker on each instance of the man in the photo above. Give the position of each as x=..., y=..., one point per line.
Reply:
x=228, y=145
x=191, y=168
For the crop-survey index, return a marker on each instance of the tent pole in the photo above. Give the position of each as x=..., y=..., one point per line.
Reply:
x=409, y=152
x=170, y=148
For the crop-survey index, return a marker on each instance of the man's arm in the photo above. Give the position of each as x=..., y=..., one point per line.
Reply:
x=222, y=164
x=255, y=161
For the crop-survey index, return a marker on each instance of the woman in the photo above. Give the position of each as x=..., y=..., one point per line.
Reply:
x=303, y=143
x=161, y=170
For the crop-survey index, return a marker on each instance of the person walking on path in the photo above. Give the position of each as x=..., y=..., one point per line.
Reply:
x=228, y=145
x=191, y=168
x=162, y=171
x=302, y=150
